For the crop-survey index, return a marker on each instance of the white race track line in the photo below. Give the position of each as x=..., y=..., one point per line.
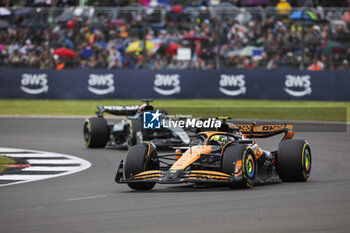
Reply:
x=26, y=155
x=49, y=161
x=38, y=168
x=79, y=165
x=84, y=198
x=25, y=177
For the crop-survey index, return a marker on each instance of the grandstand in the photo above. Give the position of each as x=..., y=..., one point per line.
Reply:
x=197, y=35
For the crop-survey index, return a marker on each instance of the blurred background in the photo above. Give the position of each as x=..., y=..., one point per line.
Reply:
x=175, y=34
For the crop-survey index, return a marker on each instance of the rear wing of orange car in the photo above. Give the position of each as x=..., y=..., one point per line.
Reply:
x=266, y=130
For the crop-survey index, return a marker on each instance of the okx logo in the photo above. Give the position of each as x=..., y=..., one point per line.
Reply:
x=151, y=120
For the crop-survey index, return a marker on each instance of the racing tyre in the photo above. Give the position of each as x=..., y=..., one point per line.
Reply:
x=294, y=160
x=96, y=132
x=240, y=161
x=138, y=160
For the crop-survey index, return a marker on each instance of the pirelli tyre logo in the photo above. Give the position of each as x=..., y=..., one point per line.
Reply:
x=298, y=85
x=101, y=84
x=232, y=85
x=34, y=84
x=167, y=84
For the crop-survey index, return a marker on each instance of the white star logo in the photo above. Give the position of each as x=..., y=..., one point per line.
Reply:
x=155, y=115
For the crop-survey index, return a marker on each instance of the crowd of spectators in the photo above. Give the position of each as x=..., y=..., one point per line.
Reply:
x=234, y=37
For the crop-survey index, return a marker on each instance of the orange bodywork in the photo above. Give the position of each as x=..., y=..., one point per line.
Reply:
x=190, y=156
x=289, y=135
x=238, y=169
x=258, y=153
x=152, y=174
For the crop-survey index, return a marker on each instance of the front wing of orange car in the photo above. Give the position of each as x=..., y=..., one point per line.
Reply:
x=176, y=176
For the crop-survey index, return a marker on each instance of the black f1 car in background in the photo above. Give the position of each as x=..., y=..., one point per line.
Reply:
x=220, y=157
x=99, y=133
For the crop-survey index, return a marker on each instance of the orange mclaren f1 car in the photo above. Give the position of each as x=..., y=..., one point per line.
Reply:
x=231, y=158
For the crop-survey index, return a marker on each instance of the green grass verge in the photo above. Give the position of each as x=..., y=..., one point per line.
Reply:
x=5, y=160
x=253, y=109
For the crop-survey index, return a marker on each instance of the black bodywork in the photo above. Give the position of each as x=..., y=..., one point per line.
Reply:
x=129, y=131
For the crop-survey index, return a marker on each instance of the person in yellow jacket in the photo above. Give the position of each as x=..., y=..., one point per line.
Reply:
x=283, y=7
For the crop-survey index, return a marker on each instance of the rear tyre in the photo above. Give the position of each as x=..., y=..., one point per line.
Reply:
x=138, y=160
x=239, y=160
x=96, y=132
x=294, y=160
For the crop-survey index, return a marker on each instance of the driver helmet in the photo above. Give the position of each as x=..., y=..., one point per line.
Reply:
x=218, y=140
x=145, y=107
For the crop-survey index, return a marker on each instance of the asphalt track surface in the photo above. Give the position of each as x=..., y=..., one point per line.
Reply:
x=90, y=201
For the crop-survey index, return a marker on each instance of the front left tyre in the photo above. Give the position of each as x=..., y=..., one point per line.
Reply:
x=140, y=158
x=96, y=132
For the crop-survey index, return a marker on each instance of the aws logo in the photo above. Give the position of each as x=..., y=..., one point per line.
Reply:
x=167, y=84
x=298, y=85
x=232, y=85
x=34, y=84
x=101, y=84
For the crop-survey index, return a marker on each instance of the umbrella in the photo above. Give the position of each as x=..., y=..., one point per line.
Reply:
x=176, y=9
x=334, y=15
x=331, y=47
x=4, y=11
x=168, y=48
x=335, y=23
x=171, y=49
x=33, y=23
x=117, y=22
x=137, y=46
x=24, y=12
x=4, y=24
x=64, y=17
x=65, y=53
x=194, y=36
x=248, y=51
x=303, y=15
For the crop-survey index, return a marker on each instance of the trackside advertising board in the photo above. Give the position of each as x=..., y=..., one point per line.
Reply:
x=167, y=84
